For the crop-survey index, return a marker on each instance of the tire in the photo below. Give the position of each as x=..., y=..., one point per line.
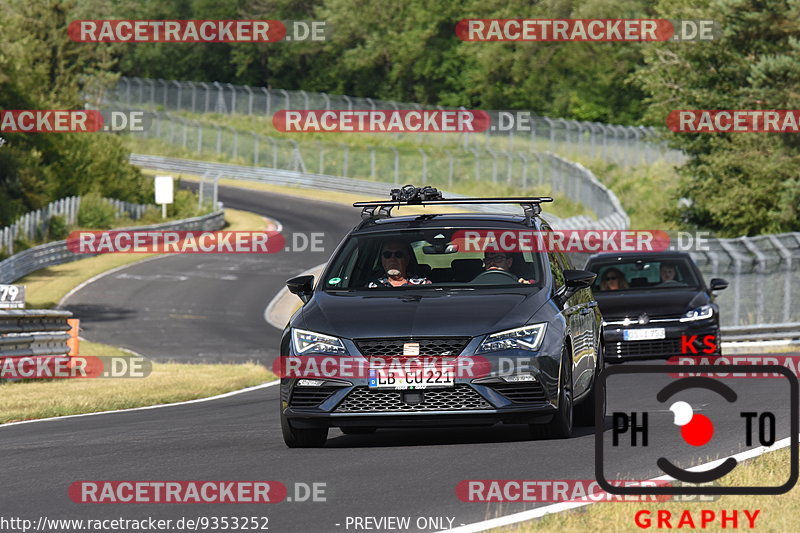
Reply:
x=585, y=412
x=560, y=426
x=358, y=430
x=303, y=438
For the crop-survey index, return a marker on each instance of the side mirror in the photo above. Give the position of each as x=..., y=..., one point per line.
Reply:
x=717, y=284
x=302, y=286
x=576, y=280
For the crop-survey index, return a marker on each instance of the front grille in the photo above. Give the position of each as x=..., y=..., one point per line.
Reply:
x=311, y=396
x=521, y=392
x=460, y=398
x=658, y=348
x=393, y=347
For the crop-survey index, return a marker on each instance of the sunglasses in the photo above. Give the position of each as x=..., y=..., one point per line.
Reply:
x=398, y=254
x=495, y=257
x=611, y=278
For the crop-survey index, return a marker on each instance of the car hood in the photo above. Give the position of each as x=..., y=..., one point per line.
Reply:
x=656, y=303
x=421, y=313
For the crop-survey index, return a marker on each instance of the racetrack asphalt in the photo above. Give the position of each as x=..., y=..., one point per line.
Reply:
x=211, y=308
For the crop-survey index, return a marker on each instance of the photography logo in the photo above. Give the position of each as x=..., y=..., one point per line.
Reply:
x=730, y=413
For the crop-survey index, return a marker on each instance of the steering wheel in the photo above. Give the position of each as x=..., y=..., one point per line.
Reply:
x=491, y=277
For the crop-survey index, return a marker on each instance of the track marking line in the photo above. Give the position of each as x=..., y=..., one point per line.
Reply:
x=187, y=402
x=565, y=506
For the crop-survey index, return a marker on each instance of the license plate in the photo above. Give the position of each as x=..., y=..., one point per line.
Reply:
x=647, y=334
x=423, y=378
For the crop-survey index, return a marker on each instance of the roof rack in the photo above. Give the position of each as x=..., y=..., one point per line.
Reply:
x=411, y=195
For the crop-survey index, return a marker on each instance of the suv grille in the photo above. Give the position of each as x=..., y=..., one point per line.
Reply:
x=659, y=348
x=460, y=398
x=311, y=396
x=521, y=392
x=393, y=347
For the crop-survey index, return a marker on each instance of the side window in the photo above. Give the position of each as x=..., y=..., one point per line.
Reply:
x=556, y=269
x=556, y=264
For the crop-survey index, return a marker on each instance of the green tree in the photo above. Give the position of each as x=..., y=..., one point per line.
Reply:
x=40, y=68
x=738, y=183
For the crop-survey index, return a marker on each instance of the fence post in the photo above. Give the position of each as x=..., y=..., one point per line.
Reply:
x=249, y=100
x=194, y=94
x=268, y=97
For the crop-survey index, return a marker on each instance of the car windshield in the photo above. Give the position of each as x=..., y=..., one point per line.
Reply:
x=635, y=274
x=426, y=259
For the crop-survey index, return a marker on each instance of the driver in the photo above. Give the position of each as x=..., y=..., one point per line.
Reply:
x=493, y=261
x=395, y=258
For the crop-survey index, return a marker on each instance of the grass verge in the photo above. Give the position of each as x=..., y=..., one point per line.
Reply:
x=778, y=513
x=168, y=383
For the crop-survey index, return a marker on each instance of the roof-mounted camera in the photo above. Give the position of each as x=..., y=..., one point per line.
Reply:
x=416, y=195
x=411, y=195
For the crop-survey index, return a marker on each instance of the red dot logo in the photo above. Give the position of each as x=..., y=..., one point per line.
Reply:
x=696, y=429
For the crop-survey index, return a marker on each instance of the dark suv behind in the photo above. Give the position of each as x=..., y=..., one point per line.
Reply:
x=655, y=305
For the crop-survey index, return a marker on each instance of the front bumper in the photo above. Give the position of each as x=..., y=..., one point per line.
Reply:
x=680, y=338
x=484, y=400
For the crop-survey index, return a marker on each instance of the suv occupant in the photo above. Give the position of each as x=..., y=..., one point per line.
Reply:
x=395, y=258
x=500, y=261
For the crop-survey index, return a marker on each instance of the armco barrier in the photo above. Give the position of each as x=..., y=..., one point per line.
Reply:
x=34, y=332
x=56, y=253
x=613, y=218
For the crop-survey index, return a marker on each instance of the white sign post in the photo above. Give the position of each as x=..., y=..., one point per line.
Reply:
x=164, y=193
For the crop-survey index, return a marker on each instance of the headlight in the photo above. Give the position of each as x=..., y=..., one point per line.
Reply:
x=308, y=342
x=525, y=338
x=700, y=313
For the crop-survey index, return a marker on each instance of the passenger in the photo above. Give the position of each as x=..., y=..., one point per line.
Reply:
x=613, y=280
x=669, y=272
x=501, y=261
x=395, y=258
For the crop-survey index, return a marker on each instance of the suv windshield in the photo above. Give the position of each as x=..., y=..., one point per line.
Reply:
x=422, y=259
x=641, y=274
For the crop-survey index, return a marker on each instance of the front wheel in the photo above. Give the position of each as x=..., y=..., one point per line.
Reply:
x=560, y=426
x=303, y=438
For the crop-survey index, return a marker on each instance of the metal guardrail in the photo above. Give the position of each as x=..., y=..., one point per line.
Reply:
x=790, y=331
x=615, y=217
x=542, y=172
x=625, y=145
x=34, y=333
x=56, y=253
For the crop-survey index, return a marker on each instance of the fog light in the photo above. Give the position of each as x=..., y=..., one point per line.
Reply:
x=520, y=377
x=310, y=382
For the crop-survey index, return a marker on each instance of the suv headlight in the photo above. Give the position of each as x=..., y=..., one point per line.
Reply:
x=699, y=313
x=525, y=338
x=309, y=342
